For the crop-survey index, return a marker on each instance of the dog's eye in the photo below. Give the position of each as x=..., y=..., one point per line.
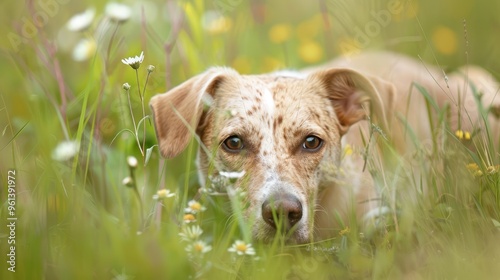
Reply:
x=312, y=143
x=233, y=144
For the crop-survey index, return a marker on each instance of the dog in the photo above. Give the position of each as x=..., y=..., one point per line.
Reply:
x=293, y=132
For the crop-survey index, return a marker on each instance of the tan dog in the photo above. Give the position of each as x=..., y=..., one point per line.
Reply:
x=285, y=130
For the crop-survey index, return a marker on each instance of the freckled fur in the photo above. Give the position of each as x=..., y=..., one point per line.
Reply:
x=273, y=114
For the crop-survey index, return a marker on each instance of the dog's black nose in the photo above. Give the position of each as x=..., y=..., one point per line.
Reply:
x=282, y=210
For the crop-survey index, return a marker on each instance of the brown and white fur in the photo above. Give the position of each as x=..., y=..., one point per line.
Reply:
x=286, y=131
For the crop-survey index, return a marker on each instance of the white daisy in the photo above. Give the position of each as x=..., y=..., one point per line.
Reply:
x=241, y=248
x=82, y=21
x=132, y=161
x=128, y=181
x=134, y=62
x=191, y=233
x=194, y=207
x=151, y=68
x=232, y=175
x=163, y=193
x=84, y=50
x=65, y=150
x=118, y=12
x=198, y=247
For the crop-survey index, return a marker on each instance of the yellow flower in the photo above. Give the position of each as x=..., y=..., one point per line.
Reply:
x=189, y=218
x=344, y=231
x=347, y=150
x=459, y=134
x=492, y=169
x=280, y=33
x=472, y=166
x=474, y=169
x=463, y=135
x=444, y=40
x=310, y=52
x=467, y=135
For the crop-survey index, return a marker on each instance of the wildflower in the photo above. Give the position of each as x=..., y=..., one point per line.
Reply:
x=345, y=231
x=232, y=175
x=84, y=50
x=134, y=62
x=82, y=21
x=128, y=182
x=474, y=169
x=445, y=40
x=241, y=248
x=191, y=233
x=462, y=135
x=194, y=207
x=65, y=150
x=132, y=162
x=118, y=12
x=472, y=166
x=347, y=150
x=492, y=169
x=310, y=52
x=163, y=193
x=280, y=33
x=126, y=86
x=198, y=247
x=151, y=69
x=189, y=218
x=215, y=23
x=467, y=135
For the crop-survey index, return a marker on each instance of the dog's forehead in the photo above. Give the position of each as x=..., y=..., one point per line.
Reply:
x=269, y=94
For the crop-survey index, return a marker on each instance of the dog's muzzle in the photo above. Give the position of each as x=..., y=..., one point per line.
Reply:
x=282, y=210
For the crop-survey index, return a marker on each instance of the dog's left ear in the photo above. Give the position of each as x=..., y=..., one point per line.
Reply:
x=349, y=91
x=177, y=113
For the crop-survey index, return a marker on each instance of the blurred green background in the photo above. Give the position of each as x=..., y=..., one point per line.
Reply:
x=76, y=220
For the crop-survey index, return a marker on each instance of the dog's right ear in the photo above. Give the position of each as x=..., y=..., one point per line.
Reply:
x=177, y=113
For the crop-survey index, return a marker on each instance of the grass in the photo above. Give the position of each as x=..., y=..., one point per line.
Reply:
x=76, y=220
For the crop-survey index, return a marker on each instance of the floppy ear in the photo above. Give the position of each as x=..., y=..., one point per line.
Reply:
x=349, y=91
x=177, y=113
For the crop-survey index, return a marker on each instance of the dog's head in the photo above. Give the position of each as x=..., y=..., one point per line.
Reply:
x=282, y=130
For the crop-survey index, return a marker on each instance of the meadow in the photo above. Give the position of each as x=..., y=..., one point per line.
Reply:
x=86, y=195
